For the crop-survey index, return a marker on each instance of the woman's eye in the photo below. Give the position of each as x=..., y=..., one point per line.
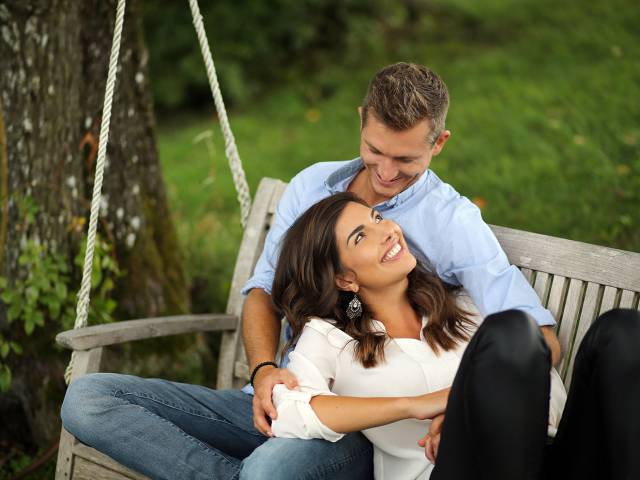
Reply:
x=379, y=218
x=359, y=237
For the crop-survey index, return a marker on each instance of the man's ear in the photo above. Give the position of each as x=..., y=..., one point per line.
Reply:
x=439, y=145
x=347, y=282
x=360, y=115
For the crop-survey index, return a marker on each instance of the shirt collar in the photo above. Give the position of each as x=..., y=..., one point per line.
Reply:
x=339, y=180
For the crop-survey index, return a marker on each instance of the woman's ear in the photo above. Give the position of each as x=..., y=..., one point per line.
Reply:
x=347, y=282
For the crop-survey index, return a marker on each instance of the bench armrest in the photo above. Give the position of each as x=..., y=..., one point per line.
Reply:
x=131, y=330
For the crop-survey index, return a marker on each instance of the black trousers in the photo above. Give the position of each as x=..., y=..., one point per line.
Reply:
x=496, y=419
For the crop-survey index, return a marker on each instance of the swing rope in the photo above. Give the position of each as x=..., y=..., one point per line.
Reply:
x=231, y=151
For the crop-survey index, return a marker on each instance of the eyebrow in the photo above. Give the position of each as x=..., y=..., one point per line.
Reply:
x=402, y=158
x=359, y=228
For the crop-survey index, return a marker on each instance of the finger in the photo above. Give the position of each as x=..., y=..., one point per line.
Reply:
x=423, y=441
x=262, y=425
x=268, y=408
x=436, y=446
x=428, y=450
x=289, y=379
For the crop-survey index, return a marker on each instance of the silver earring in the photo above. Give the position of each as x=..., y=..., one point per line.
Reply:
x=354, y=310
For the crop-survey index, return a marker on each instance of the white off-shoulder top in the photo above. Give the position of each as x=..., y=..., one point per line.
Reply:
x=323, y=363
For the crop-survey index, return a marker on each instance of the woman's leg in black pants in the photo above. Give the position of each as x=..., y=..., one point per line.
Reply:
x=599, y=434
x=496, y=418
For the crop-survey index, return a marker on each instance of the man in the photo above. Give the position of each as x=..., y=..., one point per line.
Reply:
x=402, y=128
x=171, y=430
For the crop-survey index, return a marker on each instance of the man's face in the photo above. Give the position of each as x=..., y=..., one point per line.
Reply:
x=395, y=159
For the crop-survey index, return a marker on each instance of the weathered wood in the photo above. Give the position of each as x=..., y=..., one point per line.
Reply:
x=582, y=261
x=569, y=321
x=608, y=300
x=541, y=285
x=93, y=465
x=556, y=298
x=588, y=314
x=131, y=330
x=250, y=250
x=627, y=299
x=87, y=361
x=65, y=461
x=242, y=371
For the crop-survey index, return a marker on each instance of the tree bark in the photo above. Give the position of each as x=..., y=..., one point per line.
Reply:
x=53, y=67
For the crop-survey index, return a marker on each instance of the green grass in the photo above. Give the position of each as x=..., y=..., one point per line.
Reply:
x=544, y=114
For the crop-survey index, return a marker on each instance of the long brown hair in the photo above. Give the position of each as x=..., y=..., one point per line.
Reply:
x=304, y=286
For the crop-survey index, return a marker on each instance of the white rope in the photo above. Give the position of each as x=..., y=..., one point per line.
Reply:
x=82, y=308
x=231, y=151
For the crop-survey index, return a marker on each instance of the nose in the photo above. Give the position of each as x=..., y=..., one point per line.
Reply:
x=389, y=231
x=387, y=170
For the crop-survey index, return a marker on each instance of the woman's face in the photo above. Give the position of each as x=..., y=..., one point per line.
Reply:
x=372, y=250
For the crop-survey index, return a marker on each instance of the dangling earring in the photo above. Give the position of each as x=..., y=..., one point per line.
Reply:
x=354, y=310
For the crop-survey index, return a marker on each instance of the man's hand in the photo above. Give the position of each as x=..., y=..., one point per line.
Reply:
x=431, y=441
x=263, y=384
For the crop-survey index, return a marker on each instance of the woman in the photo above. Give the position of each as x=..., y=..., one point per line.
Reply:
x=379, y=342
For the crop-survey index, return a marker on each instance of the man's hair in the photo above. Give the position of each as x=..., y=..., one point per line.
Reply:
x=403, y=94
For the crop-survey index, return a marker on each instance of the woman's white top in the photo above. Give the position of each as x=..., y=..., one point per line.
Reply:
x=323, y=363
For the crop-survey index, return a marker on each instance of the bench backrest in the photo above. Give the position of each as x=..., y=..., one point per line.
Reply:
x=576, y=281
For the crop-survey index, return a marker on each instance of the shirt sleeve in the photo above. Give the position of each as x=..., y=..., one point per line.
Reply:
x=286, y=213
x=313, y=362
x=478, y=262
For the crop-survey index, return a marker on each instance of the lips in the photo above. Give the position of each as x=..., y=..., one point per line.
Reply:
x=385, y=183
x=393, y=252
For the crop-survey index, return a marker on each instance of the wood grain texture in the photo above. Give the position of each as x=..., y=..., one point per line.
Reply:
x=569, y=323
x=627, y=299
x=588, y=314
x=131, y=330
x=231, y=349
x=608, y=300
x=556, y=298
x=583, y=261
x=90, y=464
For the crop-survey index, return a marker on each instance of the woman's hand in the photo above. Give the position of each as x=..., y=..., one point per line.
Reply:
x=431, y=441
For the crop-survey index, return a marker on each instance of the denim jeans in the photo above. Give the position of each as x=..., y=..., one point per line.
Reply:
x=170, y=430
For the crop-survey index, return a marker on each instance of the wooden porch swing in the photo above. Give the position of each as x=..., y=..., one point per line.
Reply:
x=574, y=280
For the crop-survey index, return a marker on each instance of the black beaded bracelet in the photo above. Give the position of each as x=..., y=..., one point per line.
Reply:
x=258, y=367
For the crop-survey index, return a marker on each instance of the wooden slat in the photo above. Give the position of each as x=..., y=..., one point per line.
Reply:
x=626, y=299
x=588, y=314
x=541, y=285
x=64, y=464
x=93, y=465
x=131, y=330
x=569, y=321
x=242, y=371
x=266, y=198
x=528, y=274
x=591, y=263
x=608, y=300
x=556, y=297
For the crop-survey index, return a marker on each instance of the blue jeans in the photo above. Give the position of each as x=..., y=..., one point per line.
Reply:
x=170, y=430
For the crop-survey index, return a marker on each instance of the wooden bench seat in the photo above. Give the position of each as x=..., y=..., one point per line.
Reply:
x=575, y=281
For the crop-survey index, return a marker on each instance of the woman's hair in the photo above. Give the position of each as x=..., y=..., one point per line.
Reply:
x=305, y=286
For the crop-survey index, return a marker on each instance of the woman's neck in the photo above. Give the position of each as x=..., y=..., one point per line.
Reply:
x=391, y=306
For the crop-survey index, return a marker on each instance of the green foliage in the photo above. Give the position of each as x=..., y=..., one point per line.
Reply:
x=256, y=44
x=40, y=294
x=545, y=133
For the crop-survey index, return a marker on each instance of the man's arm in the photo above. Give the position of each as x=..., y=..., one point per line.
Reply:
x=553, y=343
x=260, y=334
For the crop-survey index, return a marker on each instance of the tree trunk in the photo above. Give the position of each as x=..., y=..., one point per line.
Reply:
x=53, y=66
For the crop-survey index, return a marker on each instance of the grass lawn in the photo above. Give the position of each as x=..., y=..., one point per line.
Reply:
x=544, y=115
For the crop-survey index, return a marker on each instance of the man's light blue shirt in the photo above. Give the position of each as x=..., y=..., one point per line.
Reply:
x=443, y=229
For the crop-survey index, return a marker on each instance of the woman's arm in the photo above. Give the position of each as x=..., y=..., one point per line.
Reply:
x=352, y=414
